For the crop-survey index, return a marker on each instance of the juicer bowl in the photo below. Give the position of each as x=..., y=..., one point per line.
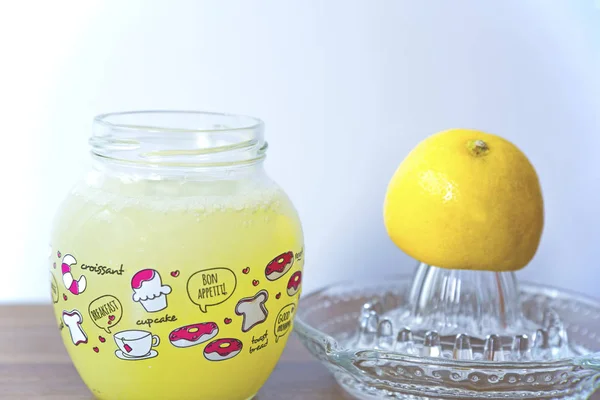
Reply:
x=328, y=319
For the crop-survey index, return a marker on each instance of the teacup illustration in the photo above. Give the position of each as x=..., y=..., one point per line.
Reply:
x=136, y=345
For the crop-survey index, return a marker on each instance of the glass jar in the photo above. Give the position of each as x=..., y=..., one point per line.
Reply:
x=176, y=263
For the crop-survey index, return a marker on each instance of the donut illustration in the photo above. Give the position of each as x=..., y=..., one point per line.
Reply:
x=279, y=266
x=191, y=335
x=74, y=286
x=294, y=283
x=222, y=349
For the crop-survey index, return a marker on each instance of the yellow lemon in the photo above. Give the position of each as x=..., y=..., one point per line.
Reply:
x=465, y=199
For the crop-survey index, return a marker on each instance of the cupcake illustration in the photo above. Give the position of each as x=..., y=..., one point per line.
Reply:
x=149, y=291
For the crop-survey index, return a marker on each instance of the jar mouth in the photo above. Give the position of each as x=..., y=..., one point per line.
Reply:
x=178, y=138
x=177, y=121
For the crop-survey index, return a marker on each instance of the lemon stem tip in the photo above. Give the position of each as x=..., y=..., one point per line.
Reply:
x=478, y=147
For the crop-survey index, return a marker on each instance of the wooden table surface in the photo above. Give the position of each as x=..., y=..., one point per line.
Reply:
x=35, y=365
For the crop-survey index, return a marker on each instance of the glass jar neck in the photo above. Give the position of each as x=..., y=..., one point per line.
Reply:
x=178, y=144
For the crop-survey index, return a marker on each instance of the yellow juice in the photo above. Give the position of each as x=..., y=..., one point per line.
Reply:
x=176, y=290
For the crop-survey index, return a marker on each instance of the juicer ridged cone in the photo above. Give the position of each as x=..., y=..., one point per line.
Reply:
x=462, y=315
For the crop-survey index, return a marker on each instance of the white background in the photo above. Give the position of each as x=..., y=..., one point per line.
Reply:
x=346, y=88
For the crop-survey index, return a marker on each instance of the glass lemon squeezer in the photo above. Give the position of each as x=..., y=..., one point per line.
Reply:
x=454, y=334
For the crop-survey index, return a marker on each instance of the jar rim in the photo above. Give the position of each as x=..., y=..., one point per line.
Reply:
x=111, y=120
x=178, y=138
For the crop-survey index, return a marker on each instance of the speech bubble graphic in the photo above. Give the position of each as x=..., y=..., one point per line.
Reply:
x=106, y=312
x=54, y=289
x=211, y=287
x=284, y=319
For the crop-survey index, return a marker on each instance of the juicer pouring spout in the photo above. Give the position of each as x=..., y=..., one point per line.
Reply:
x=589, y=362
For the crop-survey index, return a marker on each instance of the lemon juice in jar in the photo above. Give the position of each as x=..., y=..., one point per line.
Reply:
x=176, y=263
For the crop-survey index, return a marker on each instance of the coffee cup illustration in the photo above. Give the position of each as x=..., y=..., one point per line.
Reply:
x=136, y=345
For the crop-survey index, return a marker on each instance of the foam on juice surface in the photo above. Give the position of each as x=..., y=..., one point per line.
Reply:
x=179, y=195
x=184, y=208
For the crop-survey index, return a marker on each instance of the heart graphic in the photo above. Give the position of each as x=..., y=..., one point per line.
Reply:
x=64, y=297
x=227, y=321
x=255, y=282
x=101, y=339
x=111, y=317
x=175, y=274
x=278, y=296
x=246, y=270
x=96, y=349
x=58, y=254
